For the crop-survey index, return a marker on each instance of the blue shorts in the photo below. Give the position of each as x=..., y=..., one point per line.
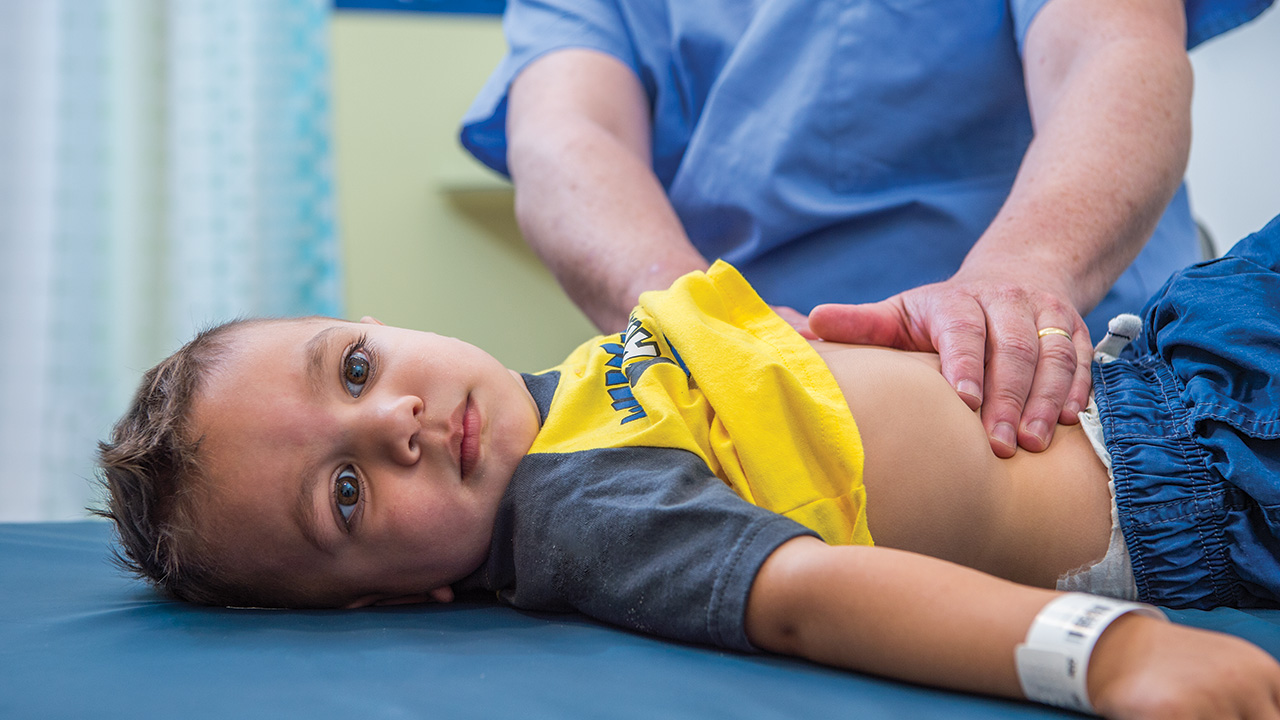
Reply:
x=1191, y=414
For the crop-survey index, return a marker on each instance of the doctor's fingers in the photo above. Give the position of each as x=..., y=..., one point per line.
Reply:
x=1035, y=343
x=1060, y=387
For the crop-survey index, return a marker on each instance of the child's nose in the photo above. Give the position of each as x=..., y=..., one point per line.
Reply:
x=398, y=426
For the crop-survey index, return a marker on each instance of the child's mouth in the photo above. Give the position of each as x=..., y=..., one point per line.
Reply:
x=469, y=452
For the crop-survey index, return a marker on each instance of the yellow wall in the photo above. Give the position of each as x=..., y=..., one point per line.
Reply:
x=429, y=238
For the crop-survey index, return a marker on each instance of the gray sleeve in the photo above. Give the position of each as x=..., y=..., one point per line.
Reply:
x=645, y=538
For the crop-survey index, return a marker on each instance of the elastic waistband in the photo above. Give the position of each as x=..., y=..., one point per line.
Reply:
x=1172, y=508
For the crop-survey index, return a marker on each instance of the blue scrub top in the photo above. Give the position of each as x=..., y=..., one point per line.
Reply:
x=832, y=151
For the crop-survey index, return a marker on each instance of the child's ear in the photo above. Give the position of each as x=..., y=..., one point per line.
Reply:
x=371, y=320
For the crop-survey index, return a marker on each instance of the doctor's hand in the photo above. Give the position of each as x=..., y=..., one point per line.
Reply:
x=1019, y=352
x=795, y=319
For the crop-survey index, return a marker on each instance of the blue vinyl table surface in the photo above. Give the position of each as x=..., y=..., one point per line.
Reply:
x=79, y=639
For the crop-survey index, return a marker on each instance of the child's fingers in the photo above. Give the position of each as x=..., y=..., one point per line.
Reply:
x=1164, y=671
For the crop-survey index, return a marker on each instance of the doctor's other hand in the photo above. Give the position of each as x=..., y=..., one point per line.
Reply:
x=1020, y=353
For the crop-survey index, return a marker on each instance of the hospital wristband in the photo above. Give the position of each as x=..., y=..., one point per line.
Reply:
x=1053, y=662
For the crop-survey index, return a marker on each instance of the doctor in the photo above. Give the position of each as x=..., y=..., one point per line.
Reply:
x=996, y=169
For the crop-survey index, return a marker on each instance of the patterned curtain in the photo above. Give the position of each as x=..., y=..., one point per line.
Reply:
x=164, y=165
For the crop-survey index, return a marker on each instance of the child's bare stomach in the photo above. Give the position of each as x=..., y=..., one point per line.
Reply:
x=935, y=487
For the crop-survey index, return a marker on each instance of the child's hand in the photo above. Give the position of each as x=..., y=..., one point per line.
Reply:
x=1144, y=668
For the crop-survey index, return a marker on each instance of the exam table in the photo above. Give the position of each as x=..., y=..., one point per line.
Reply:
x=79, y=639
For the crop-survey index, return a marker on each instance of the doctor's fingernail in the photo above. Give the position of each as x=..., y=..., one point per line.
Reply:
x=1039, y=428
x=970, y=388
x=1005, y=435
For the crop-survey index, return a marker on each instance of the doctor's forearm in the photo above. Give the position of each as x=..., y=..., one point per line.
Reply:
x=601, y=223
x=1111, y=106
x=586, y=198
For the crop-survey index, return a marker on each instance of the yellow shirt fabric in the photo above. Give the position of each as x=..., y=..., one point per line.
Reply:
x=708, y=367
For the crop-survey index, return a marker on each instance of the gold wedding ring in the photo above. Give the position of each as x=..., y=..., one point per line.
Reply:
x=1054, y=331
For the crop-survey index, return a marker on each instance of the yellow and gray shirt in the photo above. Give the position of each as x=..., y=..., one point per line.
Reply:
x=629, y=506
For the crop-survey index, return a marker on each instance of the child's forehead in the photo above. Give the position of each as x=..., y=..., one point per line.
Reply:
x=257, y=332
x=276, y=341
x=264, y=368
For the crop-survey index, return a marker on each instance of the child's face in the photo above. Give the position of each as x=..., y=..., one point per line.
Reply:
x=357, y=462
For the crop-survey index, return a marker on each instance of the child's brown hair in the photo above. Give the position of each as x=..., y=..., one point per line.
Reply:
x=153, y=479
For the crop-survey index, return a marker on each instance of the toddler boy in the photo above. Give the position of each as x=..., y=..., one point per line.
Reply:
x=314, y=462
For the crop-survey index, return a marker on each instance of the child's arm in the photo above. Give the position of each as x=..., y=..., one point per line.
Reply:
x=929, y=621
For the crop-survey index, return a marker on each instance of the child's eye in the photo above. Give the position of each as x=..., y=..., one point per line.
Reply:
x=357, y=366
x=346, y=492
